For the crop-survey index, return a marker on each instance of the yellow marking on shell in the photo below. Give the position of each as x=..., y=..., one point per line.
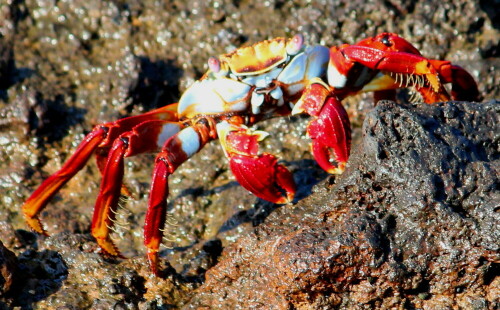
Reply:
x=257, y=58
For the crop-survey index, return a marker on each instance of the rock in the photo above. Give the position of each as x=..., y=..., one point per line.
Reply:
x=413, y=223
x=66, y=66
x=8, y=269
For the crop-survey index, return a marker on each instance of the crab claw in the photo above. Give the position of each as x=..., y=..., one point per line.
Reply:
x=330, y=129
x=264, y=177
x=330, y=133
x=259, y=173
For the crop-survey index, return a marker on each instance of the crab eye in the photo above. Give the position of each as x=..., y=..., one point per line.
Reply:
x=214, y=64
x=386, y=41
x=295, y=45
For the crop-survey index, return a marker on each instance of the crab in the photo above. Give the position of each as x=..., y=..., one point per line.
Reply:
x=277, y=77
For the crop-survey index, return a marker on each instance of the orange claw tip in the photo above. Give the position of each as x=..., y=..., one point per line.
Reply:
x=35, y=224
x=153, y=262
x=285, y=199
x=108, y=247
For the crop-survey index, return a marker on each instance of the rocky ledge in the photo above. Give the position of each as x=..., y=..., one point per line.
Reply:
x=413, y=223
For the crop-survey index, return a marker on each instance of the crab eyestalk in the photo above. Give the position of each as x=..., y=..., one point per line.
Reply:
x=295, y=45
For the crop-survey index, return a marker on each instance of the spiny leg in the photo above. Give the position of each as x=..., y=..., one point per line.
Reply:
x=397, y=69
x=46, y=191
x=146, y=137
x=463, y=85
x=100, y=138
x=175, y=151
x=397, y=64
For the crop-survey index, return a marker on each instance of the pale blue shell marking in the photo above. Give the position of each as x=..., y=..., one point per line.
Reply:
x=167, y=131
x=190, y=141
x=212, y=96
x=309, y=64
x=317, y=61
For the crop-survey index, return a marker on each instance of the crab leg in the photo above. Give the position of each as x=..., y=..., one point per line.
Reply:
x=99, y=139
x=148, y=136
x=392, y=64
x=258, y=173
x=401, y=66
x=46, y=191
x=175, y=151
x=329, y=130
x=464, y=86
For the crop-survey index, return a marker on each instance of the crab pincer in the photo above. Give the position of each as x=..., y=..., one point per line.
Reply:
x=329, y=129
x=258, y=173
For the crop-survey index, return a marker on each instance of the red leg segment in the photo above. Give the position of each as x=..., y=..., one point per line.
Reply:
x=403, y=66
x=463, y=85
x=99, y=139
x=145, y=137
x=395, y=63
x=176, y=150
x=46, y=191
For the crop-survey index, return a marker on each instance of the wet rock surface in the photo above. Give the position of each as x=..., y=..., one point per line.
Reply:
x=413, y=222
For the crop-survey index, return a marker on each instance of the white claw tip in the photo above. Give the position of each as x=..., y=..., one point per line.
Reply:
x=297, y=108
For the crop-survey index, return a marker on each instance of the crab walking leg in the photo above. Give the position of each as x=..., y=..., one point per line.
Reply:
x=259, y=173
x=427, y=76
x=463, y=85
x=99, y=139
x=433, y=73
x=397, y=63
x=146, y=137
x=175, y=151
x=329, y=130
x=391, y=63
x=46, y=191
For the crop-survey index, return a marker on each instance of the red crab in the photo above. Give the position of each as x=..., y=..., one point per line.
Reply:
x=272, y=78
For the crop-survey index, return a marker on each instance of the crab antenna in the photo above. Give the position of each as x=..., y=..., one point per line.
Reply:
x=214, y=64
x=295, y=44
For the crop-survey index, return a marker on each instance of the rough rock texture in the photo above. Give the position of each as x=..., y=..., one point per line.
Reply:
x=68, y=65
x=414, y=222
x=8, y=269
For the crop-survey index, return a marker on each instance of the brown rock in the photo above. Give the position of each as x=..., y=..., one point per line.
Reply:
x=8, y=269
x=393, y=232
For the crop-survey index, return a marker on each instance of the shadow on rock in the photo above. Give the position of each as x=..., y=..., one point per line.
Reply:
x=157, y=84
x=39, y=275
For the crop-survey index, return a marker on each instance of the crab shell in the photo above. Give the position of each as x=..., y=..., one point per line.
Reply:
x=271, y=72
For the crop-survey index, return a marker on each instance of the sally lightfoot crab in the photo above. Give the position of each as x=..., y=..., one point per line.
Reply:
x=272, y=78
